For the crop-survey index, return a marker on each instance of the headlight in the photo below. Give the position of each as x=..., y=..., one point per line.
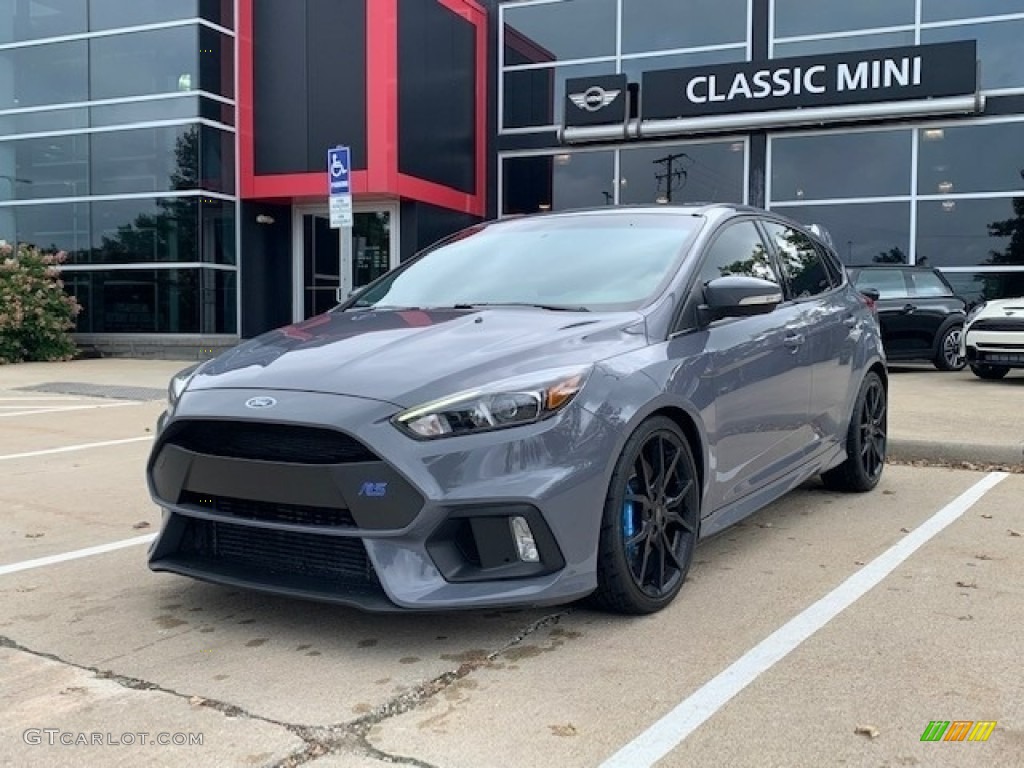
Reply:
x=508, y=403
x=178, y=384
x=975, y=311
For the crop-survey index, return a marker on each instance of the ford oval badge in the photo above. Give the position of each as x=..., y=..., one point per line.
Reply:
x=260, y=402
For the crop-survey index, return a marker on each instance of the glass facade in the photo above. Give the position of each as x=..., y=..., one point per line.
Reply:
x=118, y=146
x=943, y=192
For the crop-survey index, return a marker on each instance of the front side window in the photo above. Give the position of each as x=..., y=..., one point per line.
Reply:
x=802, y=264
x=738, y=250
x=925, y=284
x=588, y=261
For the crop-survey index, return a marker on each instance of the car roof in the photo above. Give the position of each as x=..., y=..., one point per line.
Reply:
x=893, y=266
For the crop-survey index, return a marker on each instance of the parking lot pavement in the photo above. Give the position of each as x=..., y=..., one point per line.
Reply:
x=100, y=645
x=955, y=417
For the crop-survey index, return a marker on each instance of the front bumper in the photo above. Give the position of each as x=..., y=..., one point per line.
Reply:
x=329, y=501
x=1001, y=348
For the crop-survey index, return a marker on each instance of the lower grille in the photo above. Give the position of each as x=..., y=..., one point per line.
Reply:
x=1001, y=357
x=334, y=559
x=297, y=514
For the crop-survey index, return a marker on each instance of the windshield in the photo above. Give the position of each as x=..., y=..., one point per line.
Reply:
x=610, y=262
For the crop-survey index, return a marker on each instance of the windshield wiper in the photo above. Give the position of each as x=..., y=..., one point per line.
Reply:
x=549, y=307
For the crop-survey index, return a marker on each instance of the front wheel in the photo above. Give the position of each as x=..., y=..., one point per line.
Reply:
x=650, y=521
x=948, y=358
x=866, y=441
x=990, y=372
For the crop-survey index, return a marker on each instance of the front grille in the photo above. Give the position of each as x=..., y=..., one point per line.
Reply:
x=328, y=517
x=342, y=561
x=996, y=324
x=285, y=443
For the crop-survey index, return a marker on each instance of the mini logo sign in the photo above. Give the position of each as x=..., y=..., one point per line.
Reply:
x=260, y=402
x=594, y=99
x=374, y=489
x=958, y=730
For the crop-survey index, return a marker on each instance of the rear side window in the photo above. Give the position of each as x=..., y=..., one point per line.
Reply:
x=737, y=250
x=888, y=282
x=804, y=268
x=924, y=284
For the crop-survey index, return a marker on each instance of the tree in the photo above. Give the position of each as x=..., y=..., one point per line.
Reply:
x=892, y=256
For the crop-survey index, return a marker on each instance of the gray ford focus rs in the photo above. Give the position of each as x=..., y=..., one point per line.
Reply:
x=534, y=411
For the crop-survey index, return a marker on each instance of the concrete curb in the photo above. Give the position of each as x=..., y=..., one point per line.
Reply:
x=901, y=449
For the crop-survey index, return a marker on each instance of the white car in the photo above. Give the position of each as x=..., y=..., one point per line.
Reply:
x=993, y=338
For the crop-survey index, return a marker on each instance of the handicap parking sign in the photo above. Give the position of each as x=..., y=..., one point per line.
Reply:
x=338, y=170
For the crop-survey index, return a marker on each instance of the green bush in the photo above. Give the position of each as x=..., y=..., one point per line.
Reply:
x=35, y=312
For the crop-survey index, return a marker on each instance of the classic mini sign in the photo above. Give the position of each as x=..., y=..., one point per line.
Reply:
x=891, y=74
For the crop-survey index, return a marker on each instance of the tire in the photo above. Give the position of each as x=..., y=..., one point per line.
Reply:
x=990, y=372
x=948, y=357
x=650, y=524
x=866, y=441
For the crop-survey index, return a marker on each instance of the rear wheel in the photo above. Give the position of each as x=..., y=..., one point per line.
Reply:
x=991, y=372
x=866, y=440
x=948, y=358
x=650, y=521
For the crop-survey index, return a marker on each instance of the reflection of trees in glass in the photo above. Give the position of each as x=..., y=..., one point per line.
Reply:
x=1013, y=229
x=892, y=256
x=756, y=266
x=173, y=232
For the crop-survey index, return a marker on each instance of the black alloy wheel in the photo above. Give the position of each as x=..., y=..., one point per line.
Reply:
x=650, y=521
x=866, y=440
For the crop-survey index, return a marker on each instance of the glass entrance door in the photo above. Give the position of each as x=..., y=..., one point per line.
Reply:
x=318, y=255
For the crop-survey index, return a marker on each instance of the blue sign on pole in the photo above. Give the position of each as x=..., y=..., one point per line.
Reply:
x=338, y=170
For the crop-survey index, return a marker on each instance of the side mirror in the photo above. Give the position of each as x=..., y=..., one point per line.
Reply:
x=872, y=293
x=738, y=296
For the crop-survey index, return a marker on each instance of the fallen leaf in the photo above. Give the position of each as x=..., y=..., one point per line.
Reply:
x=858, y=562
x=563, y=730
x=967, y=584
x=73, y=689
x=968, y=617
x=141, y=524
x=987, y=517
x=34, y=535
x=197, y=701
x=982, y=557
x=867, y=730
x=1009, y=531
x=888, y=493
x=904, y=530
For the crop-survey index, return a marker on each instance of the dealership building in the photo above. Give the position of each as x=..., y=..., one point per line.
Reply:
x=177, y=150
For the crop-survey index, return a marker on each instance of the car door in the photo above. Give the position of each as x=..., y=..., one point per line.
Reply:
x=757, y=372
x=930, y=305
x=830, y=327
x=895, y=311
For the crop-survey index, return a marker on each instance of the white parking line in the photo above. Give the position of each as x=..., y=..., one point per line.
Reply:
x=61, y=409
x=670, y=731
x=79, y=447
x=75, y=555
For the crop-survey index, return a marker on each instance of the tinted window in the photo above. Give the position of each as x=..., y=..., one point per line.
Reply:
x=998, y=49
x=573, y=261
x=560, y=30
x=737, y=250
x=680, y=172
x=808, y=17
x=924, y=284
x=971, y=158
x=888, y=282
x=964, y=233
x=805, y=271
x=651, y=25
x=862, y=233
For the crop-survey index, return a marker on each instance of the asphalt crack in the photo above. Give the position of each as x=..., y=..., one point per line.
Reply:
x=351, y=736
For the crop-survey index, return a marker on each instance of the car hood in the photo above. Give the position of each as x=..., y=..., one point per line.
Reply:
x=408, y=357
x=1002, y=308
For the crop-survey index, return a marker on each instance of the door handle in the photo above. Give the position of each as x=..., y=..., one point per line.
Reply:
x=794, y=341
x=908, y=309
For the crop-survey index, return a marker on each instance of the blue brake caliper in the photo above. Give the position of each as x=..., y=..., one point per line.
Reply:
x=629, y=521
